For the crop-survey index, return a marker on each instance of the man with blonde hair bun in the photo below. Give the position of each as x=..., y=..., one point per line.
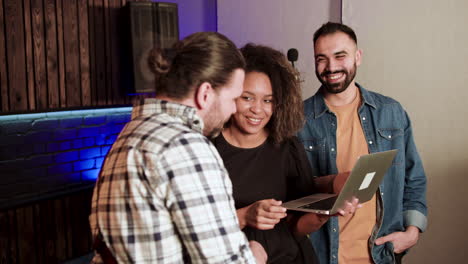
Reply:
x=163, y=194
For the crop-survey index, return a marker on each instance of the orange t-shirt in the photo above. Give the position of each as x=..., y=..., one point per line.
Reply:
x=356, y=229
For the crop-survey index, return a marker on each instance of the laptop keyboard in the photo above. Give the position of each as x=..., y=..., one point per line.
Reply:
x=325, y=204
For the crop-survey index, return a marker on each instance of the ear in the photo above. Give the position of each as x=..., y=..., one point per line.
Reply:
x=204, y=96
x=358, y=57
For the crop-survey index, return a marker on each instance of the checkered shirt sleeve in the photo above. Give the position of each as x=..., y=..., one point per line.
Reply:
x=203, y=208
x=169, y=204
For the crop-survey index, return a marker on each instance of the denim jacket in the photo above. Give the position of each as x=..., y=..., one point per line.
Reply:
x=401, y=198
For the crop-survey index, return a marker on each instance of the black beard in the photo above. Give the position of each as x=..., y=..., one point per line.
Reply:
x=337, y=88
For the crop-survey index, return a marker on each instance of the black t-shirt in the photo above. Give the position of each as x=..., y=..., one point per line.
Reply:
x=270, y=171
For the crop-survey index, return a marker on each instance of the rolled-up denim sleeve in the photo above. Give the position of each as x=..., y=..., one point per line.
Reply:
x=414, y=198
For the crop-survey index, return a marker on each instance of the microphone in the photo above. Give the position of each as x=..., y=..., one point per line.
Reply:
x=292, y=55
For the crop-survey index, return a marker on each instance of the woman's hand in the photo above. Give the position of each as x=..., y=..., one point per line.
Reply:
x=349, y=207
x=263, y=214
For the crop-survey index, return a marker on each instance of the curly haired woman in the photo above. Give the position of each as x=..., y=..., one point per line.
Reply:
x=265, y=161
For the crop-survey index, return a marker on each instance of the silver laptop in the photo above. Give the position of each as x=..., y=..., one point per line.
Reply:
x=362, y=183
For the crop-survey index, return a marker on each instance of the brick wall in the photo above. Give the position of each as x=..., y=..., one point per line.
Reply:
x=43, y=155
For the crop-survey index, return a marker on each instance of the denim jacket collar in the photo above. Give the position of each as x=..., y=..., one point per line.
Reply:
x=320, y=107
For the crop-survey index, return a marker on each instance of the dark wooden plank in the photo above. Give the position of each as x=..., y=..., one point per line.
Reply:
x=45, y=232
x=68, y=209
x=61, y=54
x=108, y=50
x=114, y=9
x=127, y=99
x=124, y=99
x=51, y=53
x=70, y=34
x=74, y=225
x=29, y=56
x=14, y=27
x=40, y=74
x=60, y=227
x=13, y=237
x=100, y=51
x=27, y=251
x=39, y=231
x=87, y=209
x=49, y=231
x=85, y=202
x=84, y=52
x=81, y=203
x=4, y=238
x=31, y=89
x=5, y=105
x=92, y=52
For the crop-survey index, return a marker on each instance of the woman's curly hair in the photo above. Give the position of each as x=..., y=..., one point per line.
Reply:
x=288, y=112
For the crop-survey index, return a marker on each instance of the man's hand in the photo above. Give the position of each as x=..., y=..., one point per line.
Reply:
x=311, y=222
x=308, y=223
x=263, y=214
x=258, y=252
x=350, y=207
x=401, y=240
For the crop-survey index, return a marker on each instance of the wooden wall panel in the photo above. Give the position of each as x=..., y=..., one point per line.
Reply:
x=40, y=74
x=114, y=15
x=84, y=52
x=46, y=232
x=4, y=238
x=92, y=52
x=67, y=206
x=29, y=56
x=27, y=249
x=8, y=238
x=70, y=37
x=5, y=106
x=100, y=52
x=40, y=231
x=107, y=52
x=81, y=234
x=15, y=51
x=49, y=231
x=50, y=18
x=60, y=228
x=13, y=239
x=60, y=54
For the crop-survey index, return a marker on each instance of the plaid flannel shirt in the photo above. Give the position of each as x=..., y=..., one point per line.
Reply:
x=163, y=194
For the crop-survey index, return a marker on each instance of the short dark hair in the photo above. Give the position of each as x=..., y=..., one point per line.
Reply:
x=288, y=113
x=332, y=27
x=201, y=57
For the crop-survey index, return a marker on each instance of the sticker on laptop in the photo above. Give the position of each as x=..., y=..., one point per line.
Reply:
x=367, y=180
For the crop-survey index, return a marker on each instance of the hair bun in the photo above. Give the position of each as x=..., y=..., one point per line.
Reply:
x=157, y=61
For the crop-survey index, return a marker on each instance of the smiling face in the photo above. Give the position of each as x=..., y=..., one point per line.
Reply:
x=336, y=61
x=255, y=105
